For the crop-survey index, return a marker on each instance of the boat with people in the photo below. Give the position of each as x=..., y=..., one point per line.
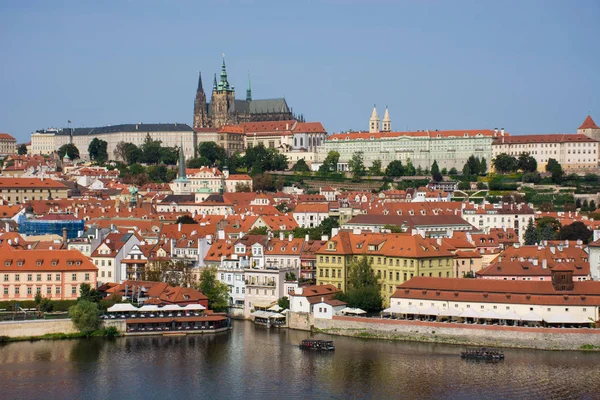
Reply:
x=482, y=353
x=321, y=345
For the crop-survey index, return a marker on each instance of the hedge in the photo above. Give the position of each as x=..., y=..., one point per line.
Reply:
x=59, y=305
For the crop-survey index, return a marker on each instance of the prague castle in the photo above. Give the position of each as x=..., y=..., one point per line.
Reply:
x=225, y=109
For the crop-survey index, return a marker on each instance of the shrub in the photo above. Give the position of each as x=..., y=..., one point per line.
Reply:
x=85, y=316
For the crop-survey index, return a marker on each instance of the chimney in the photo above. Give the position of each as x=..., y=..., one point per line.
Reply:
x=502, y=131
x=439, y=241
x=544, y=263
x=325, y=238
x=65, y=235
x=281, y=236
x=306, y=237
x=179, y=227
x=552, y=249
x=299, y=290
x=290, y=237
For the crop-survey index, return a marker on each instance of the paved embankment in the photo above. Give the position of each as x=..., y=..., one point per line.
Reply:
x=36, y=327
x=463, y=334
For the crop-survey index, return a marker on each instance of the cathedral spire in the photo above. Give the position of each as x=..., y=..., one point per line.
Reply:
x=182, y=174
x=200, y=89
x=249, y=90
x=374, y=121
x=223, y=84
x=387, y=121
x=215, y=82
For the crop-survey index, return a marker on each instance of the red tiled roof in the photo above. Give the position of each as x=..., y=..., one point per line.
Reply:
x=27, y=183
x=589, y=123
x=430, y=134
x=552, y=138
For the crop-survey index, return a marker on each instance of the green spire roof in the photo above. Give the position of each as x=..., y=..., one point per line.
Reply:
x=249, y=90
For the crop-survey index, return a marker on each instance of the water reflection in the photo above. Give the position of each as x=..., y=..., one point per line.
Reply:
x=252, y=362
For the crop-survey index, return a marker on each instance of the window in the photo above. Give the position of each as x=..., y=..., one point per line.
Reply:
x=17, y=277
x=5, y=277
x=87, y=277
x=48, y=290
x=29, y=290
x=17, y=290
x=73, y=277
x=38, y=277
x=73, y=289
x=48, y=277
x=29, y=277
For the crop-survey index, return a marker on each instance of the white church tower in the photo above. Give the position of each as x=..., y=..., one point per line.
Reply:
x=387, y=121
x=374, y=121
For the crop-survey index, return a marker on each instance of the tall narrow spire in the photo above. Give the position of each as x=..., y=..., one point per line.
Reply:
x=387, y=121
x=200, y=89
x=182, y=173
x=223, y=84
x=374, y=121
x=215, y=82
x=249, y=90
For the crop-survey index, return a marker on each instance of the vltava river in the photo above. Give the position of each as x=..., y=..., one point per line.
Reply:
x=254, y=363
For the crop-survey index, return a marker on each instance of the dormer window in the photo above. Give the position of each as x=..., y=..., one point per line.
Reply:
x=20, y=263
x=54, y=263
x=8, y=263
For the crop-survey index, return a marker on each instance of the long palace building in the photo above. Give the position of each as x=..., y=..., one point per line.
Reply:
x=450, y=149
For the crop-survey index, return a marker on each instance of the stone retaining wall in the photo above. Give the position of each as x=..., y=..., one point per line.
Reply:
x=473, y=335
x=36, y=328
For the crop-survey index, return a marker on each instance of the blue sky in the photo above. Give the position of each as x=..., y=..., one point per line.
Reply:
x=528, y=66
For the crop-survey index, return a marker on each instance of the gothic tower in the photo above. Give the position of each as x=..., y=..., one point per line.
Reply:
x=374, y=121
x=387, y=121
x=200, y=107
x=249, y=90
x=223, y=100
x=589, y=128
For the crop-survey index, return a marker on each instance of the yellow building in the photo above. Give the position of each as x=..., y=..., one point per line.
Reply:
x=394, y=258
x=22, y=190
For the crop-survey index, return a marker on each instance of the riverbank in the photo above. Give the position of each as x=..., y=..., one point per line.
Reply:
x=455, y=334
x=110, y=332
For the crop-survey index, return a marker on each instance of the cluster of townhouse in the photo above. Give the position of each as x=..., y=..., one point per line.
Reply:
x=65, y=224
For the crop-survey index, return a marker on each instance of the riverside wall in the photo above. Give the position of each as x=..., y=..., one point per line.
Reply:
x=461, y=334
x=36, y=327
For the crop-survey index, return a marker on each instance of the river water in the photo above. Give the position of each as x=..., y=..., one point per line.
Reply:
x=251, y=362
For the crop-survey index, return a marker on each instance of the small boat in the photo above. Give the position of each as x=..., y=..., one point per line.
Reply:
x=482, y=353
x=321, y=345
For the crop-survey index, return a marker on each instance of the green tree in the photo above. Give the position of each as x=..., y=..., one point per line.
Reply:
x=301, y=166
x=86, y=293
x=444, y=171
x=169, y=155
x=504, y=163
x=22, y=149
x=284, y=303
x=527, y=163
x=69, y=149
x=592, y=206
x=160, y=173
x=356, y=165
x=555, y=169
x=410, y=169
x=259, y=230
x=531, y=235
x=483, y=166
x=97, y=150
x=185, y=219
x=547, y=228
x=242, y=187
x=85, y=316
x=394, y=168
x=330, y=163
x=453, y=171
x=263, y=183
x=132, y=153
x=375, y=168
x=435, y=172
x=363, y=289
x=215, y=154
x=198, y=162
x=532, y=177
x=151, y=151
x=216, y=291
x=575, y=231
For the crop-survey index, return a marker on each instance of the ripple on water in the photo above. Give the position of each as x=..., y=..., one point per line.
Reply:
x=254, y=363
